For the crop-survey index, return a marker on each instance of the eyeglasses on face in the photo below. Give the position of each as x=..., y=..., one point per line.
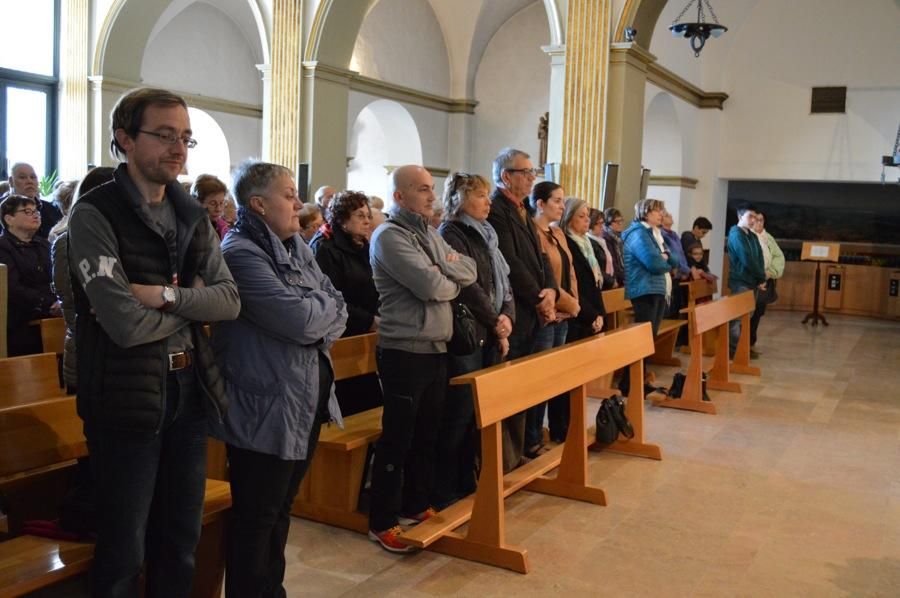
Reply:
x=29, y=212
x=172, y=138
x=525, y=171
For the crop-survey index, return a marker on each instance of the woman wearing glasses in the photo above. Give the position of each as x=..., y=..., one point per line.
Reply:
x=465, y=228
x=614, y=224
x=27, y=259
x=210, y=192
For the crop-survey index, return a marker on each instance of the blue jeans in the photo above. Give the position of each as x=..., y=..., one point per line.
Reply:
x=149, y=490
x=734, y=327
x=557, y=408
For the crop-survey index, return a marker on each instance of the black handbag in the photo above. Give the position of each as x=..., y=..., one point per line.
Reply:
x=770, y=295
x=465, y=331
x=611, y=421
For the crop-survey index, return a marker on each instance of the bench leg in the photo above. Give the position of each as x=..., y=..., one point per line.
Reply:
x=741, y=362
x=692, y=394
x=634, y=411
x=718, y=375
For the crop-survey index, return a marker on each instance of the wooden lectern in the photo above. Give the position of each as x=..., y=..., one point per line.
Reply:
x=818, y=251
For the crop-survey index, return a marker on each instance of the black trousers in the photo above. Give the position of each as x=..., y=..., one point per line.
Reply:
x=263, y=488
x=415, y=385
x=647, y=308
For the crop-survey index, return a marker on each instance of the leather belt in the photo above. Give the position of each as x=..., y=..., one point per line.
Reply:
x=180, y=361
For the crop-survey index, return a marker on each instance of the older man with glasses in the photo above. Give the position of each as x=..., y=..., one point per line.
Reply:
x=533, y=284
x=24, y=181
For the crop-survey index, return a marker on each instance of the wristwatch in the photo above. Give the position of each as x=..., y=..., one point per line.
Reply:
x=168, y=296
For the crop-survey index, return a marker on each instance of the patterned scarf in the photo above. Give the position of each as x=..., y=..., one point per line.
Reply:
x=500, y=268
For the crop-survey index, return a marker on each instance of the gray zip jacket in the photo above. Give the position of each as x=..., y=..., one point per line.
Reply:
x=415, y=293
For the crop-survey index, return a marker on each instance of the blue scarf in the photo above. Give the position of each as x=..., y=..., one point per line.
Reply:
x=502, y=289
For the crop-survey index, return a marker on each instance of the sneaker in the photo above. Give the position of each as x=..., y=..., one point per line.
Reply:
x=754, y=354
x=418, y=517
x=389, y=540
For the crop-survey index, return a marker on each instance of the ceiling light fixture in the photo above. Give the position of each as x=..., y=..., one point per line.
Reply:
x=699, y=31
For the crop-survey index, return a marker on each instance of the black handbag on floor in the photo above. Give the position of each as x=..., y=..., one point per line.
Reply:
x=611, y=421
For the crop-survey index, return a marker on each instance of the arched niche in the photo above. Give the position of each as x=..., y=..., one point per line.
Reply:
x=211, y=156
x=129, y=25
x=383, y=135
x=663, y=153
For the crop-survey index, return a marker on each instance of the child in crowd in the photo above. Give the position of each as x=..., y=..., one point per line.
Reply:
x=697, y=264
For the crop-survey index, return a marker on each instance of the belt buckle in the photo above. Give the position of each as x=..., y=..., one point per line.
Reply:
x=179, y=361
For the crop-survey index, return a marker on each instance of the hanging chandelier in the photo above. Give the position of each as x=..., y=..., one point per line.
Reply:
x=699, y=31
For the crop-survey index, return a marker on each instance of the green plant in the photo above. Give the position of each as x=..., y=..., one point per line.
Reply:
x=47, y=183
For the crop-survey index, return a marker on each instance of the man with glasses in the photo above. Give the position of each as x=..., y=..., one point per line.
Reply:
x=746, y=266
x=147, y=272
x=533, y=284
x=24, y=181
x=613, y=225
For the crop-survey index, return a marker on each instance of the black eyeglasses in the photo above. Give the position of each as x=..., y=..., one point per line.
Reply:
x=172, y=138
x=531, y=171
x=29, y=212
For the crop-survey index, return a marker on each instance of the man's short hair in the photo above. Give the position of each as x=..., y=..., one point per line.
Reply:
x=17, y=166
x=320, y=192
x=744, y=207
x=703, y=223
x=12, y=203
x=505, y=160
x=128, y=113
x=253, y=177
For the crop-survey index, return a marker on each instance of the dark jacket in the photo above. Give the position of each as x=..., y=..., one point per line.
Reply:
x=529, y=270
x=617, y=249
x=122, y=383
x=350, y=272
x=746, y=265
x=30, y=295
x=589, y=296
x=477, y=296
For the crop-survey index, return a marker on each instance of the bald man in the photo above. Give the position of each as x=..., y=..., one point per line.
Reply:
x=417, y=274
x=24, y=181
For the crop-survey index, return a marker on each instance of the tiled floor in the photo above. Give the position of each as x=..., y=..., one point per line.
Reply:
x=793, y=489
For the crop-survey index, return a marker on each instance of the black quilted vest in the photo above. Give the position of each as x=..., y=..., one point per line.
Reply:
x=124, y=388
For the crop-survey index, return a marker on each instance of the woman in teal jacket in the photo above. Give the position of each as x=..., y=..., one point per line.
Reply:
x=648, y=263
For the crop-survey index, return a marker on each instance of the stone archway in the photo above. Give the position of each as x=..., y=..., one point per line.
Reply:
x=641, y=15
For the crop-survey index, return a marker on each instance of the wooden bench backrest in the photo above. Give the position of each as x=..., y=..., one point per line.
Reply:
x=700, y=289
x=53, y=335
x=710, y=315
x=39, y=434
x=354, y=356
x=4, y=308
x=512, y=387
x=614, y=300
x=29, y=378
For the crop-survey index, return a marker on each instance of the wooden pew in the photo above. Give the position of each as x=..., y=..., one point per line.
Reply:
x=618, y=313
x=509, y=388
x=53, y=334
x=29, y=378
x=330, y=489
x=701, y=291
x=741, y=362
x=39, y=443
x=708, y=316
x=4, y=309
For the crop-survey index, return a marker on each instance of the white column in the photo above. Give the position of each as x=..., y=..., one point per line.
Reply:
x=265, y=143
x=557, y=56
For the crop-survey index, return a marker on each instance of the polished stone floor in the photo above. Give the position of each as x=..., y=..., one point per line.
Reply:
x=793, y=489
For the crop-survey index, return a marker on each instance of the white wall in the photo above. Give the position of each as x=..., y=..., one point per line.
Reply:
x=202, y=51
x=512, y=88
x=401, y=42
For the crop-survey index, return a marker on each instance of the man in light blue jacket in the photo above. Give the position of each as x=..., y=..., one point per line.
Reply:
x=417, y=274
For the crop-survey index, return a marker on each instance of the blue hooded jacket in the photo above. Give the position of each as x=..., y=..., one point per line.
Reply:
x=645, y=266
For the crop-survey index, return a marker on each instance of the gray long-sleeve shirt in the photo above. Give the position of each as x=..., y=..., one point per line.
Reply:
x=93, y=253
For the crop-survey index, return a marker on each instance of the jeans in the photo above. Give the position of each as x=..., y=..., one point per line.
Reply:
x=458, y=439
x=647, y=308
x=734, y=327
x=415, y=385
x=263, y=488
x=557, y=408
x=149, y=490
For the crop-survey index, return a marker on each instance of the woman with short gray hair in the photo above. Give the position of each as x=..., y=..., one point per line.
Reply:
x=277, y=369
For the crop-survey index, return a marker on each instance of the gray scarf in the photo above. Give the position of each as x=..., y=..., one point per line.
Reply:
x=502, y=290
